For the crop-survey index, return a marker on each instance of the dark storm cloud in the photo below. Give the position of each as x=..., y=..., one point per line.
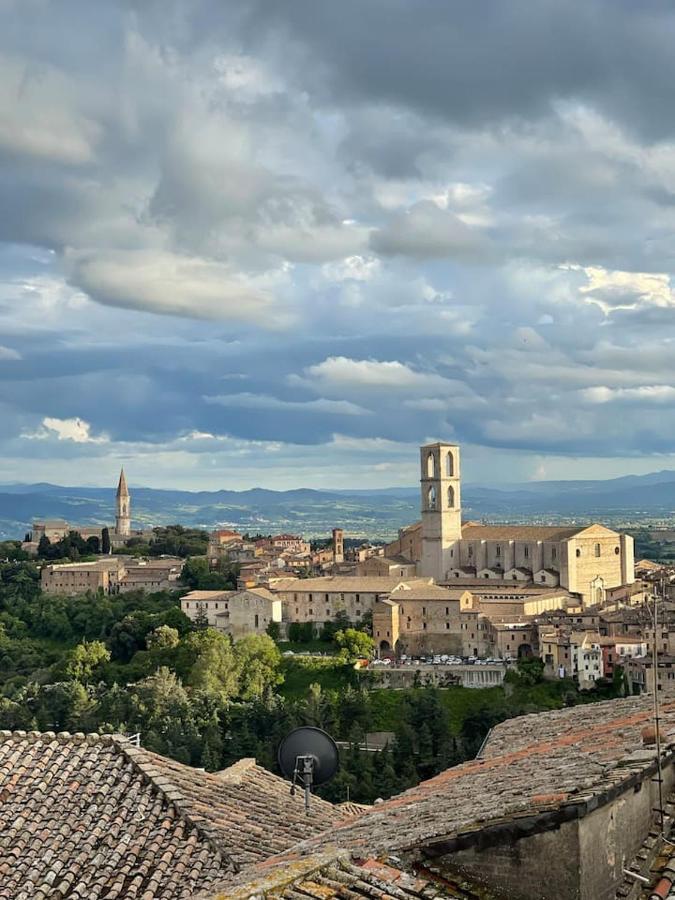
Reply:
x=479, y=63
x=232, y=230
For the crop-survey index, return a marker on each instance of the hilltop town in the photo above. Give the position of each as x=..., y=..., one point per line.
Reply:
x=449, y=600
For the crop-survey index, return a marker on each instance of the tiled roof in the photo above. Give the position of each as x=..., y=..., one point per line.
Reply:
x=532, y=767
x=473, y=532
x=346, y=583
x=89, y=817
x=341, y=878
x=425, y=592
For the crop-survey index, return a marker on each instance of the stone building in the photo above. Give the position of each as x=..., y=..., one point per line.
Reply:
x=57, y=529
x=318, y=600
x=557, y=806
x=391, y=567
x=419, y=620
x=111, y=575
x=237, y=613
x=587, y=561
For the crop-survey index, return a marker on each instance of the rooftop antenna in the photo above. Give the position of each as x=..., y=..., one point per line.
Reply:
x=308, y=756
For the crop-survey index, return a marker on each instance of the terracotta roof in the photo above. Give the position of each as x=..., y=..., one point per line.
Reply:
x=472, y=532
x=558, y=763
x=425, y=592
x=92, y=816
x=346, y=584
x=342, y=878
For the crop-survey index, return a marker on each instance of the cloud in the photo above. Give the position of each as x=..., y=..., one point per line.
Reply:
x=7, y=353
x=626, y=290
x=255, y=401
x=652, y=393
x=170, y=284
x=76, y=430
x=369, y=374
x=425, y=231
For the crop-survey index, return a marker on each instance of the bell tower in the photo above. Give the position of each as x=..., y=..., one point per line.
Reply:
x=123, y=508
x=441, y=509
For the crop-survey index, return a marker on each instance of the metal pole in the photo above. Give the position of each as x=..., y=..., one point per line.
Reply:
x=657, y=723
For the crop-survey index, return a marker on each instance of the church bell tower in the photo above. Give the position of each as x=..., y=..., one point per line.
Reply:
x=123, y=508
x=441, y=509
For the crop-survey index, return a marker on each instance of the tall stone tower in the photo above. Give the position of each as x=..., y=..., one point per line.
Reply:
x=123, y=508
x=338, y=545
x=441, y=509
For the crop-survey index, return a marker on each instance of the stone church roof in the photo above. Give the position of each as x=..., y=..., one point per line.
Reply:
x=92, y=816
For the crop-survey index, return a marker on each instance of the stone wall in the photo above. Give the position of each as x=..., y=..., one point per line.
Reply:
x=556, y=856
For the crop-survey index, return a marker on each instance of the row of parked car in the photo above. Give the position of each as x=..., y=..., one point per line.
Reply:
x=439, y=660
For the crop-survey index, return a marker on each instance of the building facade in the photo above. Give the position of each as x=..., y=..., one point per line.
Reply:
x=589, y=561
x=237, y=613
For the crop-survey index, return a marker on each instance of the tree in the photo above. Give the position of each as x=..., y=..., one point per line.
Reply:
x=274, y=630
x=105, y=541
x=215, y=668
x=161, y=710
x=44, y=547
x=530, y=669
x=354, y=645
x=85, y=659
x=259, y=663
x=339, y=622
x=162, y=638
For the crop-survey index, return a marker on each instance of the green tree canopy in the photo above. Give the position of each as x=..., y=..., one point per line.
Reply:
x=354, y=644
x=259, y=664
x=86, y=659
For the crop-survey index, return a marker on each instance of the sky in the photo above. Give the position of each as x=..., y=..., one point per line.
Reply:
x=283, y=244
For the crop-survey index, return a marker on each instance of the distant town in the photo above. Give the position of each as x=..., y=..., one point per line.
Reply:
x=449, y=601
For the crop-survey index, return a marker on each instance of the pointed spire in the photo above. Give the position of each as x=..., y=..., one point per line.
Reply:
x=122, y=489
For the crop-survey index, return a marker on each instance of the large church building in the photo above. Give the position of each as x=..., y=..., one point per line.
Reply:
x=586, y=560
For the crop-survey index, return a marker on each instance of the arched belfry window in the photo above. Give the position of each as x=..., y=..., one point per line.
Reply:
x=431, y=466
x=451, y=497
x=597, y=549
x=431, y=498
x=449, y=464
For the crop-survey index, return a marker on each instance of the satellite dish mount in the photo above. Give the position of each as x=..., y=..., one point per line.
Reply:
x=308, y=756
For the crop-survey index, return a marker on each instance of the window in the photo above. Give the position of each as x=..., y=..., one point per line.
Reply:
x=447, y=610
x=424, y=626
x=617, y=551
x=431, y=465
x=449, y=465
x=431, y=498
x=451, y=496
x=257, y=620
x=526, y=552
x=447, y=626
x=311, y=612
x=597, y=550
x=357, y=597
x=327, y=598
x=578, y=552
x=554, y=552
x=470, y=551
x=424, y=610
x=499, y=550
x=310, y=598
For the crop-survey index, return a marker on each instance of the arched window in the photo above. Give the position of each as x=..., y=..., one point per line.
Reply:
x=431, y=498
x=451, y=496
x=449, y=465
x=431, y=465
x=597, y=549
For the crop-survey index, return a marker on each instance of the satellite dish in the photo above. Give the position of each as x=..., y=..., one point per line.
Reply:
x=308, y=756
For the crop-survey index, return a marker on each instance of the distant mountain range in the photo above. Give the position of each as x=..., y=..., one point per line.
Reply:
x=376, y=513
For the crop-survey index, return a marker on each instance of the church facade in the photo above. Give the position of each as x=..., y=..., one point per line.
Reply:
x=56, y=529
x=586, y=560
